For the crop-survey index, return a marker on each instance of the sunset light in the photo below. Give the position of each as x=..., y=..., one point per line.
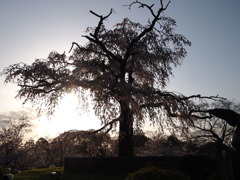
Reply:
x=68, y=116
x=100, y=89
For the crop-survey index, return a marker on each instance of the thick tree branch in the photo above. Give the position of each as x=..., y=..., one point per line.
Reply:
x=151, y=26
x=102, y=18
x=189, y=108
x=106, y=125
x=191, y=113
x=74, y=43
x=211, y=135
x=97, y=52
x=94, y=37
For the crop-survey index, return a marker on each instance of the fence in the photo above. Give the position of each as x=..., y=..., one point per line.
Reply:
x=116, y=163
x=194, y=166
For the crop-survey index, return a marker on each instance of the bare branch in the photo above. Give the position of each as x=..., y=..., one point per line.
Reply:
x=191, y=109
x=198, y=96
x=166, y=5
x=102, y=18
x=149, y=7
x=74, y=43
x=151, y=26
x=142, y=5
x=94, y=36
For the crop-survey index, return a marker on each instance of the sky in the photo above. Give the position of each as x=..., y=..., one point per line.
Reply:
x=31, y=29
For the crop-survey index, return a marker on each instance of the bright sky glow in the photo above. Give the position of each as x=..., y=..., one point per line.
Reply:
x=68, y=116
x=32, y=29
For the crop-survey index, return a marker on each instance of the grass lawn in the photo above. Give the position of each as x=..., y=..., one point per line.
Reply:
x=44, y=174
x=37, y=174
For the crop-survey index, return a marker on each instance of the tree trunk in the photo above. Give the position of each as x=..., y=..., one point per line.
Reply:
x=125, y=131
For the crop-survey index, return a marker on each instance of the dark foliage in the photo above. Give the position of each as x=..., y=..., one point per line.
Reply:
x=154, y=173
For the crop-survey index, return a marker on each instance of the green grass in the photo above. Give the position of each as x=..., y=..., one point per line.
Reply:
x=36, y=174
x=44, y=174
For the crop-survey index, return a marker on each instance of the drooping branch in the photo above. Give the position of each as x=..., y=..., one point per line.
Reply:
x=74, y=43
x=230, y=116
x=87, y=49
x=214, y=128
x=110, y=124
x=187, y=103
x=181, y=97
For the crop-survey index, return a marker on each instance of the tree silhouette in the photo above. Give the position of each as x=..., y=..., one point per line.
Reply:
x=216, y=128
x=124, y=69
x=12, y=133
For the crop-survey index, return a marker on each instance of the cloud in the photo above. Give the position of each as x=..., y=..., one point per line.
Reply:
x=29, y=113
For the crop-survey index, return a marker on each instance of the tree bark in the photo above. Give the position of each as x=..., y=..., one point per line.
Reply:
x=125, y=131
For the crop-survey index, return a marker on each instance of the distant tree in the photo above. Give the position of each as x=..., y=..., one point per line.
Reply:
x=82, y=143
x=43, y=151
x=159, y=145
x=31, y=158
x=12, y=132
x=172, y=140
x=139, y=140
x=152, y=146
x=124, y=69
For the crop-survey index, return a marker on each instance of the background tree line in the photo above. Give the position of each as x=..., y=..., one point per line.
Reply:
x=208, y=136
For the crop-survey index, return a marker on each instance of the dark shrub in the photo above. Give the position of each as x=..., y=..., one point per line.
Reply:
x=154, y=173
x=197, y=167
x=214, y=176
x=3, y=171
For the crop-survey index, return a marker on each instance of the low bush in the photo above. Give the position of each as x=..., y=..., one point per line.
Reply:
x=214, y=176
x=3, y=171
x=197, y=166
x=154, y=173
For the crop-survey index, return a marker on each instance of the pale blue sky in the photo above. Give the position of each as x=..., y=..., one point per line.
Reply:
x=31, y=29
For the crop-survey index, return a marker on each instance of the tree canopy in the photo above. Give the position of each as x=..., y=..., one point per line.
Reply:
x=124, y=69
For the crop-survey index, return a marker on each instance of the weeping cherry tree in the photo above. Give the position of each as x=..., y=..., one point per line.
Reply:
x=125, y=70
